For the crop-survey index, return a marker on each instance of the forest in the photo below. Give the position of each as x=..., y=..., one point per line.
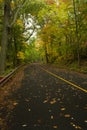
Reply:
x=44, y=31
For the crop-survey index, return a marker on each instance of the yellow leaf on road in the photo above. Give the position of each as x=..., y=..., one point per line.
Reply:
x=55, y=126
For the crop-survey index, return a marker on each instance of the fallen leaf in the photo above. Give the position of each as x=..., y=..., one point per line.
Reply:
x=76, y=126
x=50, y=110
x=55, y=126
x=53, y=101
x=85, y=121
x=58, y=99
x=52, y=117
x=24, y=125
x=67, y=115
x=27, y=100
x=15, y=103
x=41, y=86
x=29, y=109
x=72, y=118
x=45, y=101
x=72, y=124
x=63, y=109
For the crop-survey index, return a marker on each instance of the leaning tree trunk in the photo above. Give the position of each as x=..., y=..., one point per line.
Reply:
x=4, y=41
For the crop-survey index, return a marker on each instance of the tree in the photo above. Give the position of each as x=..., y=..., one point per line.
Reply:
x=64, y=24
x=61, y=26
x=13, y=9
x=5, y=35
x=8, y=21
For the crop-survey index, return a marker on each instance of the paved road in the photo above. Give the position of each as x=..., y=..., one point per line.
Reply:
x=46, y=103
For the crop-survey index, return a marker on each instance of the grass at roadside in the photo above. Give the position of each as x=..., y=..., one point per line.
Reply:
x=73, y=66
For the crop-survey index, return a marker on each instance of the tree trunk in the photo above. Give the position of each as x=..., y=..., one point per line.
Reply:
x=4, y=41
x=7, y=22
x=46, y=54
x=15, y=53
x=77, y=38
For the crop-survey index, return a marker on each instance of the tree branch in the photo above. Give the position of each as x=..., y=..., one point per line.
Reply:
x=18, y=10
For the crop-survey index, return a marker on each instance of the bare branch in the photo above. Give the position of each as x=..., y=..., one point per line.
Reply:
x=18, y=10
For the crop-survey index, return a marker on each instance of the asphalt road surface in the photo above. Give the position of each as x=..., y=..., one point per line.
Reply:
x=44, y=102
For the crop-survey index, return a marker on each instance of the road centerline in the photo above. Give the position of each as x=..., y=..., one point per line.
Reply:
x=58, y=77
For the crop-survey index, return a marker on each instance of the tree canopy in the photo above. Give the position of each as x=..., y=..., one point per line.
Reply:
x=49, y=31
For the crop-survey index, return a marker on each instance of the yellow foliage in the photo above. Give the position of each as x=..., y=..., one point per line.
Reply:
x=20, y=55
x=25, y=44
x=12, y=4
x=19, y=22
x=1, y=1
x=39, y=43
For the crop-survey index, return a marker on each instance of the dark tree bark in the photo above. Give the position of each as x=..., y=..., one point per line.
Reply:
x=46, y=54
x=5, y=32
x=15, y=53
x=7, y=24
x=77, y=38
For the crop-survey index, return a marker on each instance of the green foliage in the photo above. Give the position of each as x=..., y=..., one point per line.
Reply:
x=32, y=53
x=62, y=31
x=59, y=31
x=33, y=7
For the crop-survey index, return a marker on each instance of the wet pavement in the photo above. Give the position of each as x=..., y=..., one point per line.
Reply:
x=46, y=103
